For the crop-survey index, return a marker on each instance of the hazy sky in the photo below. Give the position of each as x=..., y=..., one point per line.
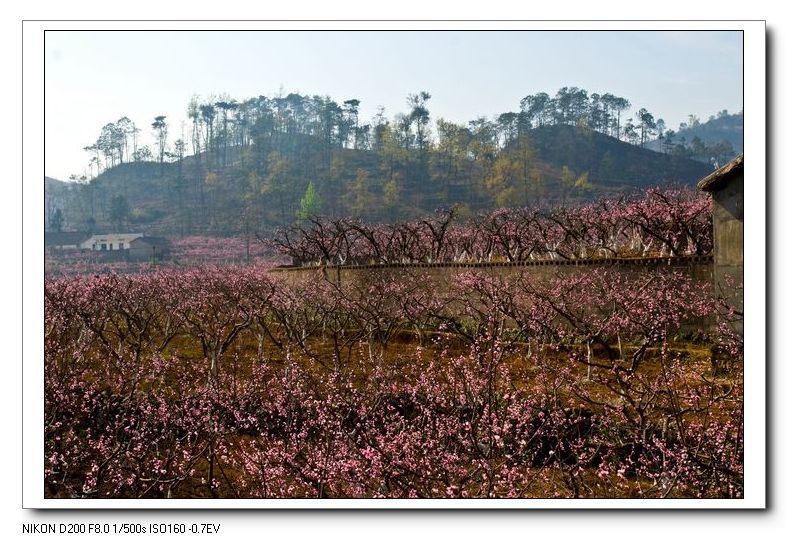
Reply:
x=94, y=77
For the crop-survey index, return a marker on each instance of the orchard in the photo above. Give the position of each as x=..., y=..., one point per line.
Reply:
x=241, y=382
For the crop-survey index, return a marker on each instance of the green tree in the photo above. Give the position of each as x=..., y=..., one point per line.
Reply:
x=143, y=154
x=619, y=104
x=530, y=176
x=505, y=182
x=668, y=143
x=125, y=129
x=392, y=156
x=535, y=108
x=110, y=143
x=208, y=114
x=391, y=196
x=583, y=183
x=276, y=182
x=420, y=115
x=507, y=126
x=359, y=197
x=160, y=130
x=251, y=211
x=226, y=106
x=647, y=125
x=630, y=135
x=568, y=179
x=310, y=203
x=350, y=110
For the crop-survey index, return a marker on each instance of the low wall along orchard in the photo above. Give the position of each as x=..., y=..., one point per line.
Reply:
x=699, y=268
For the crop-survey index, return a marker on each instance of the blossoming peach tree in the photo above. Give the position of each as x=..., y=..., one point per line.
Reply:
x=232, y=382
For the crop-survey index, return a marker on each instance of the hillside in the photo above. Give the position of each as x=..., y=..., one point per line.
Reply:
x=262, y=185
x=55, y=192
x=722, y=128
x=52, y=184
x=611, y=163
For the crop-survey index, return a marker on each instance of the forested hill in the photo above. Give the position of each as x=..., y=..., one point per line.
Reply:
x=51, y=181
x=610, y=163
x=721, y=137
x=55, y=192
x=256, y=187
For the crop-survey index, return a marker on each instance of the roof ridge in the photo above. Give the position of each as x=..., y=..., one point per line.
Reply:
x=709, y=182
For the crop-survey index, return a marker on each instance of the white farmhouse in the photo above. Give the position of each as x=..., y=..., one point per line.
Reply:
x=107, y=242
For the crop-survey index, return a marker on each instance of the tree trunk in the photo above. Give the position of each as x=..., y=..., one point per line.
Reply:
x=589, y=358
x=260, y=346
x=215, y=367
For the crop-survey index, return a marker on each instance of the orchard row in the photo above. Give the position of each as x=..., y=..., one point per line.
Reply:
x=657, y=222
x=230, y=383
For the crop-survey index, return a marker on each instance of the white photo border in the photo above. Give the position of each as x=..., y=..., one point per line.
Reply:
x=755, y=367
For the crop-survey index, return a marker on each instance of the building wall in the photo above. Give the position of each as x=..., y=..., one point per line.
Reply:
x=141, y=251
x=729, y=242
x=729, y=223
x=116, y=240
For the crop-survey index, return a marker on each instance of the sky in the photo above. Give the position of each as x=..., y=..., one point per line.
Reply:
x=95, y=77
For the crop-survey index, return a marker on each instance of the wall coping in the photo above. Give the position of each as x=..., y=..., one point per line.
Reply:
x=658, y=260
